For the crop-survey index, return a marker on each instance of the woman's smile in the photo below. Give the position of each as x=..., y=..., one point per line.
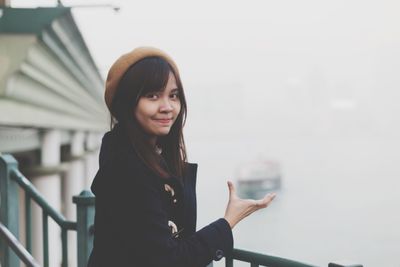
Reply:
x=164, y=121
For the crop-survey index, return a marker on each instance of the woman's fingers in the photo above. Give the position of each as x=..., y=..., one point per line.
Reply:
x=262, y=203
x=258, y=203
x=232, y=190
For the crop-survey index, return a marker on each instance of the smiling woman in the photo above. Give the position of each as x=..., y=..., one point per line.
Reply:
x=149, y=93
x=145, y=188
x=157, y=111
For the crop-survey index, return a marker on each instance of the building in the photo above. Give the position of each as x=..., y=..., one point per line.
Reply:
x=52, y=112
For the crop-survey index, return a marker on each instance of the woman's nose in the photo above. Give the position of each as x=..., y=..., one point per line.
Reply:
x=166, y=105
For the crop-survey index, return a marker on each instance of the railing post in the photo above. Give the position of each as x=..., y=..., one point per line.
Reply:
x=85, y=219
x=9, y=208
x=228, y=261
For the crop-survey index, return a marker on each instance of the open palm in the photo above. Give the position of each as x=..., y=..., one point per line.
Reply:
x=238, y=208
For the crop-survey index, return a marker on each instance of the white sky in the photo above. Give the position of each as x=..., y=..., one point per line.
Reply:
x=287, y=61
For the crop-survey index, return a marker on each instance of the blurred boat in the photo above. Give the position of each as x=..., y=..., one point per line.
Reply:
x=257, y=178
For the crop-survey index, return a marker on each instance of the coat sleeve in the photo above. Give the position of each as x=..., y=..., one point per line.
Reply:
x=142, y=214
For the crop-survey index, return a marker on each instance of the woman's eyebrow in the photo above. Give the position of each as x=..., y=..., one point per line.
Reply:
x=174, y=90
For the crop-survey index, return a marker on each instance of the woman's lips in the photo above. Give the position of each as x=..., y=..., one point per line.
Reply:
x=163, y=121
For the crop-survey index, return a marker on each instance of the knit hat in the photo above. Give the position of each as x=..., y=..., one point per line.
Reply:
x=122, y=64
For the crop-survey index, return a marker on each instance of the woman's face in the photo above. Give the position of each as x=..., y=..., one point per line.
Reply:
x=157, y=111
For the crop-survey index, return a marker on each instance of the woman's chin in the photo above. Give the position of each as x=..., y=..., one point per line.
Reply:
x=163, y=132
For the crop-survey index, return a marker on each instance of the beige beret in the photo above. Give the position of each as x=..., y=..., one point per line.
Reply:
x=122, y=64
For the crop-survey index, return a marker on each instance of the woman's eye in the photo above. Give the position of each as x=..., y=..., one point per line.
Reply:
x=175, y=96
x=152, y=96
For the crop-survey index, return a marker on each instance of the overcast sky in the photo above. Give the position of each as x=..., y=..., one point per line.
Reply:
x=288, y=60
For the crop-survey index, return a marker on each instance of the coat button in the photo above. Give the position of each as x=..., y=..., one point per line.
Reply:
x=219, y=254
x=169, y=189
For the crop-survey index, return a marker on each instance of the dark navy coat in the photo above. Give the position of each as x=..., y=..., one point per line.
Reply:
x=135, y=210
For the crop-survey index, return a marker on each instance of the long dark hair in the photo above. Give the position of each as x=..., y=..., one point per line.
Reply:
x=148, y=75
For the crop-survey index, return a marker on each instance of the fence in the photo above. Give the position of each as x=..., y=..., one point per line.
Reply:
x=10, y=179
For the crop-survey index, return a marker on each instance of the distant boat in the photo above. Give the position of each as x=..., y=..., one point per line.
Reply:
x=257, y=178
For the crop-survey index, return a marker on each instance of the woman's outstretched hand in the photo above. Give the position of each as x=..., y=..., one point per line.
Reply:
x=238, y=209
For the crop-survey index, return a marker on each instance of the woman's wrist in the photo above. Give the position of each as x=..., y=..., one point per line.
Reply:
x=231, y=224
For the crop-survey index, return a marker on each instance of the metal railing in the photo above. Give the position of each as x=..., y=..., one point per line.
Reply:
x=12, y=251
x=17, y=247
x=257, y=259
x=10, y=179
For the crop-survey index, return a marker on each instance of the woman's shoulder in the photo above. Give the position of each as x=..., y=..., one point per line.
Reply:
x=191, y=165
x=120, y=167
x=191, y=169
x=118, y=152
x=121, y=177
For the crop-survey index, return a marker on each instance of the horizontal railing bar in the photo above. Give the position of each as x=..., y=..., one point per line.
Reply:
x=69, y=225
x=266, y=260
x=17, y=247
x=39, y=199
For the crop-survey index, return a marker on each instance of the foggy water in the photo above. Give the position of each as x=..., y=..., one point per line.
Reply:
x=340, y=198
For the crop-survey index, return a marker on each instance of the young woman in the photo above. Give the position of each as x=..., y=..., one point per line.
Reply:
x=145, y=188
